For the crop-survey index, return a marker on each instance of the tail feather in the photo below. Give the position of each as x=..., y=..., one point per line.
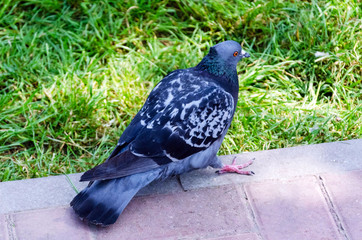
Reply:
x=103, y=201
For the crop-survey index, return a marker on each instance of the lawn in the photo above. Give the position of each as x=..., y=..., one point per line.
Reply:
x=74, y=73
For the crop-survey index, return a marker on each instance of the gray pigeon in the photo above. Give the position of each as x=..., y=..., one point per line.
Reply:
x=179, y=128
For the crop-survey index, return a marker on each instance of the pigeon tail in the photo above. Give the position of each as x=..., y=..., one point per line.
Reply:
x=103, y=201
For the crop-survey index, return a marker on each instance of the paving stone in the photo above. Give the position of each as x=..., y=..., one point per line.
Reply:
x=3, y=228
x=246, y=236
x=56, y=223
x=283, y=163
x=345, y=190
x=210, y=212
x=292, y=209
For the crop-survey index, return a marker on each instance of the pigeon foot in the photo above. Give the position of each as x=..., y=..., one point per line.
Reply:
x=236, y=168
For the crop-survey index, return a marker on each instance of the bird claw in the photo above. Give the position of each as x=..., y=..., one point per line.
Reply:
x=236, y=168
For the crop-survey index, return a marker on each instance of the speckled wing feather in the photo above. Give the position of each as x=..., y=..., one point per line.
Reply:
x=184, y=114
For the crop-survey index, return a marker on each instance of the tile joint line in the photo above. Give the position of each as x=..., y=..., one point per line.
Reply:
x=337, y=219
x=10, y=224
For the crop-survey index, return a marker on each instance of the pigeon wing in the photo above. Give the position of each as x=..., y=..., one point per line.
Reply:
x=187, y=126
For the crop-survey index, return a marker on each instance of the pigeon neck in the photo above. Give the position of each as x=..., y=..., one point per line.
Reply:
x=219, y=69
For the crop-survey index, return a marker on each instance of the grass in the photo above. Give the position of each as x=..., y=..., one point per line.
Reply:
x=74, y=73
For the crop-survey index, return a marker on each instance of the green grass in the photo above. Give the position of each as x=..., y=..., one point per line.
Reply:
x=74, y=73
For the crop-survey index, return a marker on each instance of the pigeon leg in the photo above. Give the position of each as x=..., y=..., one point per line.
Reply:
x=236, y=168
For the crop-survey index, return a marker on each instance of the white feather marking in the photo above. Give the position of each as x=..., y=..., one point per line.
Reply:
x=150, y=125
x=188, y=105
x=170, y=157
x=189, y=142
x=169, y=98
x=214, y=121
x=177, y=80
x=169, y=126
x=174, y=113
x=139, y=154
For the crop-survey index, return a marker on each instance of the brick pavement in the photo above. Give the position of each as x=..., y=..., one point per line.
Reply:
x=315, y=205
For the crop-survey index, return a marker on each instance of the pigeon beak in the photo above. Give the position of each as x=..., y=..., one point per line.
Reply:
x=244, y=54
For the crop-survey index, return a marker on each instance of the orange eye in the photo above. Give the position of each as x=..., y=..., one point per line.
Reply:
x=235, y=54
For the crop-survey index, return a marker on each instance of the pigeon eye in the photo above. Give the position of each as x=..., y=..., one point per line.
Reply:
x=235, y=54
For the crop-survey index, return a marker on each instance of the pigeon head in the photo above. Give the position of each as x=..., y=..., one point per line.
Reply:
x=228, y=52
x=222, y=59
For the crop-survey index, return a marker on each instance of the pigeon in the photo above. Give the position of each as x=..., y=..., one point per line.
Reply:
x=179, y=129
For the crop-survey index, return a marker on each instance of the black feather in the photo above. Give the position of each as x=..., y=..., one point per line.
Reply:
x=121, y=165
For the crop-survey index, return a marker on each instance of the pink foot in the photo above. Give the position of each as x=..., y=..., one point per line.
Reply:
x=236, y=168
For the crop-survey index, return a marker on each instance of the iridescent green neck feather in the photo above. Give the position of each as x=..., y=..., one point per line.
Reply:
x=218, y=67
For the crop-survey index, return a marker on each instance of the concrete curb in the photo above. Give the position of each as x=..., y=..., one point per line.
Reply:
x=272, y=164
